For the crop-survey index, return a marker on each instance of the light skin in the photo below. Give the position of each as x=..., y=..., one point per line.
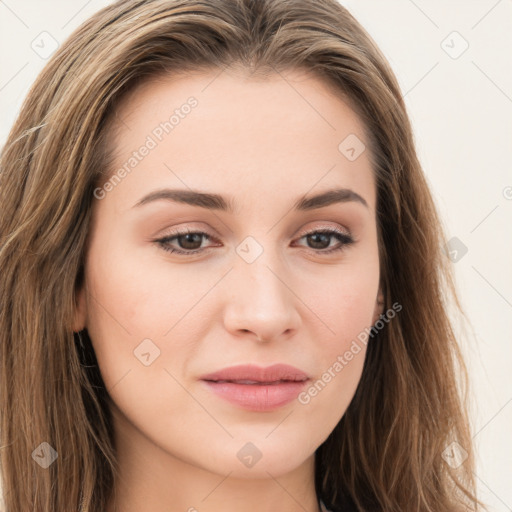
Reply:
x=263, y=144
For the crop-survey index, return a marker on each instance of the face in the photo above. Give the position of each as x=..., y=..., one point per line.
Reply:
x=179, y=287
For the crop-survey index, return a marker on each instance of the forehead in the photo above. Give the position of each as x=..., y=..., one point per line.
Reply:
x=291, y=96
x=287, y=131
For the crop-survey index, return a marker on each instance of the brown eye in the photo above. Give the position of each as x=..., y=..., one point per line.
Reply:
x=189, y=242
x=320, y=240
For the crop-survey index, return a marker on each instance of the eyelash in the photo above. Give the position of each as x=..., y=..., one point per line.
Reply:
x=342, y=237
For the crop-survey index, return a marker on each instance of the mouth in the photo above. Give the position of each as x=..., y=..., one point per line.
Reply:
x=255, y=382
x=257, y=389
x=252, y=374
x=256, y=396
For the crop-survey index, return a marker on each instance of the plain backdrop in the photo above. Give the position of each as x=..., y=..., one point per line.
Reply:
x=453, y=63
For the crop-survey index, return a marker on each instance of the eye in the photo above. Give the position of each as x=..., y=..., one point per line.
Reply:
x=190, y=242
x=321, y=239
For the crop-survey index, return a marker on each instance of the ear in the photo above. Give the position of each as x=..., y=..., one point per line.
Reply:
x=379, y=306
x=80, y=316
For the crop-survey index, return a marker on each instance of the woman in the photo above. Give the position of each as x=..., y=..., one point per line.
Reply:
x=301, y=359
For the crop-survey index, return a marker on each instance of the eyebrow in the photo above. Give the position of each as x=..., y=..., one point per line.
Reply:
x=211, y=201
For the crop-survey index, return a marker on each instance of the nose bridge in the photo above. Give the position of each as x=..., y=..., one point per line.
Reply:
x=261, y=300
x=258, y=269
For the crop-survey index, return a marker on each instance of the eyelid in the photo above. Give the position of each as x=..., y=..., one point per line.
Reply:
x=325, y=227
x=343, y=236
x=188, y=229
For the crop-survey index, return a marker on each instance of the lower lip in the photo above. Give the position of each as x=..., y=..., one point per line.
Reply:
x=257, y=397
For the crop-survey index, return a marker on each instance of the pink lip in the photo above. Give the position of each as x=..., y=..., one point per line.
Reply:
x=280, y=384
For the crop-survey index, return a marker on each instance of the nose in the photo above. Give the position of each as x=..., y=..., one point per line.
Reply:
x=261, y=303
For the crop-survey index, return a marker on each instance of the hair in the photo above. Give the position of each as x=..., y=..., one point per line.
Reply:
x=386, y=453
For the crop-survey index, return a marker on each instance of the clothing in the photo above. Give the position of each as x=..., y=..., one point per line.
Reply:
x=322, y=507
x=349, y=506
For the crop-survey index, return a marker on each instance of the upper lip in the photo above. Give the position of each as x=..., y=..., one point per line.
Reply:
x=276, y=372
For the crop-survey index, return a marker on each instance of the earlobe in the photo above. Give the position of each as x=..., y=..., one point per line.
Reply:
x=379, y=306
x=80, y=314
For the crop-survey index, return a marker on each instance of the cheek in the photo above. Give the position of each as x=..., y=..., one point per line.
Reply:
x=344, y=307
x=344, y=301
x=127, y=293
x=116, y=302
x=341, y=355
x=133, y=298
x=343, y=350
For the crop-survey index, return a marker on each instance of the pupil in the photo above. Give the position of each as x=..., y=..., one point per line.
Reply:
x=315, y=238
x=188, y=240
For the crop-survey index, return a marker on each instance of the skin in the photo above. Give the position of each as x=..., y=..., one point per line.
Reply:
x=265, y=143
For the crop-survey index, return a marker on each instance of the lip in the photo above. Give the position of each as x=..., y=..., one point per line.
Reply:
x=256, y=388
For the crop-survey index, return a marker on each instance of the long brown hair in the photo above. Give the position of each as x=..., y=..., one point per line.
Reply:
x=386, y=453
